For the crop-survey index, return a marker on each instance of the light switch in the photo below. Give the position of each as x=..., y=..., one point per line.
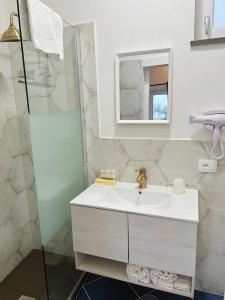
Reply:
x=207, y=166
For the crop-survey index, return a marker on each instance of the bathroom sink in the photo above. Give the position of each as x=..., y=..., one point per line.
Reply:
x=158, y=201
x=140, y=197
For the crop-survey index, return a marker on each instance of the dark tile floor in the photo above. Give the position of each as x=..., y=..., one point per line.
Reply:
x=102, y=288
x=61, y=276
x=28, y=278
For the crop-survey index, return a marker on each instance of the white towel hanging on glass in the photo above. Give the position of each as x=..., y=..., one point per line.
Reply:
x=46, y=28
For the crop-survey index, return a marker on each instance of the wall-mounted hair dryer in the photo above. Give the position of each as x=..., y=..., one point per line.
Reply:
x=213, y=120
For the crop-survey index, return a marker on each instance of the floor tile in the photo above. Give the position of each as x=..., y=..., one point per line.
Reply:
x=206, y=296
x=102, y=288
x=61, y=296
x=91, y=277
x=164, y=296
x=110, y=289
x=150, y=297
x=141, y=290
x=82, y=295
x=61, y=276
x=23, y=280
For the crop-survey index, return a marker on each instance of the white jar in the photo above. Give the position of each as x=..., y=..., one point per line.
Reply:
x=179, y=186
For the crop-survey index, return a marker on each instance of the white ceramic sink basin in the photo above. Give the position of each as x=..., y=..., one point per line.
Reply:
x=156, y=201
x=140, y=198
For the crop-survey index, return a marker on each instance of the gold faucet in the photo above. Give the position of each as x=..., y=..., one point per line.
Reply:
x=142, y=178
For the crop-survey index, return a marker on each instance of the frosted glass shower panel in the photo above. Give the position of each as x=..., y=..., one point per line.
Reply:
x=58, y=162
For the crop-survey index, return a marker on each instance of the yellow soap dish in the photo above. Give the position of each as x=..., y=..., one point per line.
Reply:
x=105, y=181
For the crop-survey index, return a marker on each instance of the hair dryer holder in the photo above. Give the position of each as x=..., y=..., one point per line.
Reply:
x=213, y=120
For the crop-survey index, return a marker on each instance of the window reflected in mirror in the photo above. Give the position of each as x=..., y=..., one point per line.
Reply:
x=143, y=87
x=158, y=92
x=219, y=13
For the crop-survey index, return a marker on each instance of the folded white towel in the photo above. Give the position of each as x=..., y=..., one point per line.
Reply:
x=46, y=28
x=144, y=275
x=133, y=272
x=163, y=279
x=183, y=284
x=161, y=276
x=166, y=285
x=138, y=274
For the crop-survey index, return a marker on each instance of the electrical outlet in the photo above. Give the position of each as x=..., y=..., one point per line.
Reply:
x=207, y=166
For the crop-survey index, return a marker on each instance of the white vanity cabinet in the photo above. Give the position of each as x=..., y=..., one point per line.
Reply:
x=105, y=241
x=163, y=244
x=111, y=230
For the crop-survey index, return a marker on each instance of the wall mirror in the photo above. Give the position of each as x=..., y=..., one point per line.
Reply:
x=143, y=86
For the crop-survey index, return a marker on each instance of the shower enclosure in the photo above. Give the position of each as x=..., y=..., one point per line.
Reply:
x=55, y=123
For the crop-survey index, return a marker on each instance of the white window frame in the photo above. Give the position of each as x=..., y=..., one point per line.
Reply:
x=204, y=20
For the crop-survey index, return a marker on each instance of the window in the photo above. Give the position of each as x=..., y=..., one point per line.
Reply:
x=159, y=102
x=210, y=19
x=219, y=14
x=160, y=107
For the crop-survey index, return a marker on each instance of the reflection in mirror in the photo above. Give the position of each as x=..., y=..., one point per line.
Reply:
x=219, y=13
x=143, y=84
x=158, y=92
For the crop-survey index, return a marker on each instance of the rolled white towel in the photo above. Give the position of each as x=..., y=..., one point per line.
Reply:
x=157, y=275
x=133, y=272
x=154, y=275
x=168, y=277
x=183, y=284
x=166, y=285
x=138, y=274
x=144, y=275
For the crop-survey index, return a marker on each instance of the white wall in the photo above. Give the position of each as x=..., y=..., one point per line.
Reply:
x=127, y=25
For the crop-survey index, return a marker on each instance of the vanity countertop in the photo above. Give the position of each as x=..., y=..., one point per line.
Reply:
x=157, y=201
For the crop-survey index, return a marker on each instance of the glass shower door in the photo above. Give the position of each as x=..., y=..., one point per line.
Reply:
x=57, y=146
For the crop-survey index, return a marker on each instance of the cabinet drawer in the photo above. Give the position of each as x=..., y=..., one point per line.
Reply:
x=100, y=232
x=163, y=244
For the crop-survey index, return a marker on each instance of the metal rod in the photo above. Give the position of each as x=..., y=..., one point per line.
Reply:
x=23, y=57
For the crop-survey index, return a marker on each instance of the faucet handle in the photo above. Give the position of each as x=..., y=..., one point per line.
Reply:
x=142, y=170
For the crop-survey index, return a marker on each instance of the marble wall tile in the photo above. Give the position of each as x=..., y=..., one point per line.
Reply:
x=9, y=241
x=143, y=149
x=16, y=175
x=3, y=120
x=25, y=240
x=88, y=79
x=7, y=201
x=13, y=261
x=107, y=154
x=20, y=210
x=131, y=90
x=180, y=159
x=5, y=161
x=21, y=98
x=11, y=137
x=212, y=188
x=210, y=273
x=210, y=231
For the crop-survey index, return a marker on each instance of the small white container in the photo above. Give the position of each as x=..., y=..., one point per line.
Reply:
x=179, y=186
